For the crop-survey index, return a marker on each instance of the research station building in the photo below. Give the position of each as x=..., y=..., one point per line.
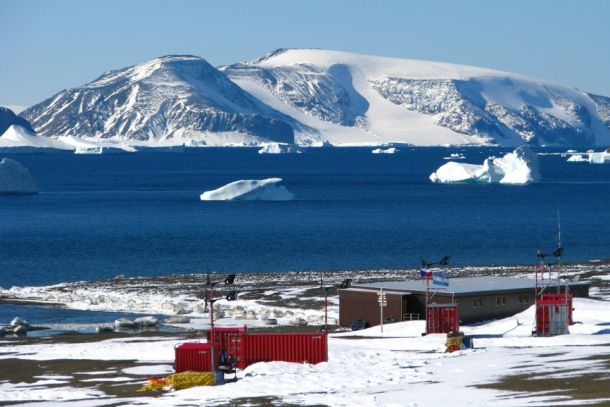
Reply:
x=478, y=298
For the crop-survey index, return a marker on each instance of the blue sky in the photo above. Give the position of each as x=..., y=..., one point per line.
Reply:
x=47, y=46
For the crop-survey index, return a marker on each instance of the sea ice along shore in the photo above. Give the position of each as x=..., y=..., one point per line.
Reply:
x=518, y=167
x=269, y=189
x=15, y=178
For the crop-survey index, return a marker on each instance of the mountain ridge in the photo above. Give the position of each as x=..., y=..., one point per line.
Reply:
x=313, y=96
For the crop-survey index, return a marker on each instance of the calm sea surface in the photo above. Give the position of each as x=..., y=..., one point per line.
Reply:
x=140, y=214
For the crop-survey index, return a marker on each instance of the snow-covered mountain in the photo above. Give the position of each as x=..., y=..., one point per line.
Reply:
x=166, y=101
x=351, y=98
x=313, y=96
x=8, y=118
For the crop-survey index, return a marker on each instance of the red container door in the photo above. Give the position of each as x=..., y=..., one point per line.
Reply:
x=442, y=318
x=194, y=357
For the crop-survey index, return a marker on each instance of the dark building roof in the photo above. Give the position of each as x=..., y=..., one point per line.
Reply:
x=465, y=286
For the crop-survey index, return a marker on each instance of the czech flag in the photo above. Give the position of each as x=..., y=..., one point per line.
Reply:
x=439, y=278
x=425, y=273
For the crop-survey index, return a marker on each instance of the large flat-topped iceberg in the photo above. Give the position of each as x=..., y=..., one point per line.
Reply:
x=517, y=167
x=15, y=178
x=269, y=189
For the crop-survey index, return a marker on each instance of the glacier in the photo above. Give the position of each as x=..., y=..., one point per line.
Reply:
x=269, y=189
x=313, y=97
x=352, y=99
x=15, y=178
x=518, y=167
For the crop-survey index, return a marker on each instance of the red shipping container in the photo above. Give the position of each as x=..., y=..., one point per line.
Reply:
x=231, y=342
x=442, y=318
x=551, y=317
x=286, y=347
x=561, y=298
x=193, y=356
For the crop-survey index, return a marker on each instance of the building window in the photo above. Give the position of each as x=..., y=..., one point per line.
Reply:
x=500, y=301
x=524, y=299
x=477, y=303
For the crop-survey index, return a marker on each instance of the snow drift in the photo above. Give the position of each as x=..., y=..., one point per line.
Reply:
x=269, y=189
x=15, y=178
x=518, y=167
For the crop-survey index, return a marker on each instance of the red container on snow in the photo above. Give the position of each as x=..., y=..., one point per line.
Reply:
x=193, y=356
x=230, y=341
x=246, y=348
x=561, y=298
x=287, y=347
x=442, y=318
x=551, y=317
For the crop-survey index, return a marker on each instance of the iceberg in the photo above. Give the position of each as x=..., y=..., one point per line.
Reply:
x=15, y=178
x=518, y=167
x=279, y=148
x=575, y=158
x=390, y=150
x=599, y=158
x=269, y=189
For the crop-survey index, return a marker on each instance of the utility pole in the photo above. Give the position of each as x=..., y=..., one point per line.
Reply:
x=381, y=299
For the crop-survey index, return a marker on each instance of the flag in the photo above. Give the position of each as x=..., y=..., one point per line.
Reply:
x=440, y=278
x=425, y=273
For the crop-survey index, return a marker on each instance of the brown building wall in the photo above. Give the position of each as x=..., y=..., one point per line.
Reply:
x=355, y=305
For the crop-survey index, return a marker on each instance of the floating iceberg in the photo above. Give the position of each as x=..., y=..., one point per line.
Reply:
x=89, y=150
x=390, y=150
x=599, y=158
x=455, y=156
x=15, y=178
x=279, y=148
x=518, y=167
x=250, y=190
x=575, y=158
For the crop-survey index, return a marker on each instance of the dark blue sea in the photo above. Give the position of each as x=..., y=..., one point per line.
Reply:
x=99, y=216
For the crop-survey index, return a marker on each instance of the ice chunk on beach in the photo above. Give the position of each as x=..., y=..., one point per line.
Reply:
x=517, y=167
x=269, y=189
x=279, y=148
x=390, y=150
x=15, y=178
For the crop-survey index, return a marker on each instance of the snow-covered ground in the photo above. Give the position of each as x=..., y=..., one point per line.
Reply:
x=398, y=367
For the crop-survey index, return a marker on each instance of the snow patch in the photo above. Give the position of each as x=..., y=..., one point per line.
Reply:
x=269, y=189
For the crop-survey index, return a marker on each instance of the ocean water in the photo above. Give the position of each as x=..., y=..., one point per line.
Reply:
x=99, y=216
